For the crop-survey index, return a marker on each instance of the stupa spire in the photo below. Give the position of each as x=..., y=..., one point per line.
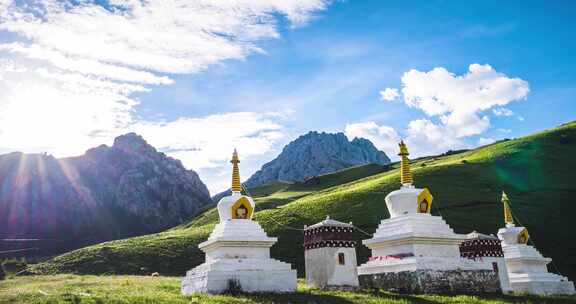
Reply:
x=507, y=211
x=405, y=172
x=236, y=186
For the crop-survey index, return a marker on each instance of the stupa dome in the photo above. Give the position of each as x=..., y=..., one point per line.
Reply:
x=236, y=206
x=407, y=199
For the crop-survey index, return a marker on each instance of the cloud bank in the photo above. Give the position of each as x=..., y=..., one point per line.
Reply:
x=71, y=68
x=455, y=107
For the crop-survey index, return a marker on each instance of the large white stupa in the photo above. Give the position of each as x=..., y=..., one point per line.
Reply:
x=238, y=251
x=527, y=269
x=416, y=252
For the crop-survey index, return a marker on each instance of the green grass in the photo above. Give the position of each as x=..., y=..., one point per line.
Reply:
x=537, y=172
x=157, y=290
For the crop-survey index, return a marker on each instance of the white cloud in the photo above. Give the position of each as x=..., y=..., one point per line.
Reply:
x=389, y=94
x=422, y=136
x=85, y=66
x=455, y=106
x=458, y=102
x=440, y=92
x=427, y=138
x=482, y=141
x=172, y=36
x=207, y=142
x=502, y=112
x=60, y=113
x=71, y=67
x=383, y=137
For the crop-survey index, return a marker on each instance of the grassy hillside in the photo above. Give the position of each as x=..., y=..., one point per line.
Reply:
x=158, y=290
x=536, y=171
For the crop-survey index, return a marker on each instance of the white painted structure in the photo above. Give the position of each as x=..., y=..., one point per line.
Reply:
x=238, y=252
x=330, y=255
x=411, y=241
x=413, y=251
x=527, y=267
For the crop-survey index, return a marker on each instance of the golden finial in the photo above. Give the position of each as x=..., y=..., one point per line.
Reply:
x=236, y=186
x=405, y=173
x=507, y=211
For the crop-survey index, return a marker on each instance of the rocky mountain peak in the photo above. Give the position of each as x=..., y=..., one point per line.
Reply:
x=317, y=153
x=133, y=143
x=109, y=192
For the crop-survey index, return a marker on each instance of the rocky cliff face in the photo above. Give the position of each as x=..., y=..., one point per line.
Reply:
x=107, y=193
x=315, y=154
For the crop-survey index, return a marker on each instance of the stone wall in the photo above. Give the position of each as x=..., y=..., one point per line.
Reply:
x=435, y=282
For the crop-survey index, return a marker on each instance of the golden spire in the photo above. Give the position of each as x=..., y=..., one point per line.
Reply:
x=405, y=173
x=236, y=186
x=507, y=211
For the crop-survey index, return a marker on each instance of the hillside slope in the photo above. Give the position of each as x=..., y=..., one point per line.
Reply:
x=536, y=171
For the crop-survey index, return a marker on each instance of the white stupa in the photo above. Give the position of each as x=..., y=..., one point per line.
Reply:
x=238, y=251
x=527, y=269
x=416, y=252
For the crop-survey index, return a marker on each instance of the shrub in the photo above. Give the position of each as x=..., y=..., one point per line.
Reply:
x=234, y=287
x=14, y=265
x=2, y=274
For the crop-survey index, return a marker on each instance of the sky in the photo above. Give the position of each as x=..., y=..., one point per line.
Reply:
x=199, y=78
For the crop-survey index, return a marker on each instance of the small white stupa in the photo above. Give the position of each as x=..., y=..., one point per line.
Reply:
x=527, y=269
x=416, y=252
x=330, y=255
x=238, y=251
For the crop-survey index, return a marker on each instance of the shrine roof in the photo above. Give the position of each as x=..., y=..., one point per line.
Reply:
x=328, y=222
x=474, y=235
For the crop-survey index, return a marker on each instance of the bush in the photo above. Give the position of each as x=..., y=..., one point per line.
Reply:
x=2, y=274
x=234, y=287
x=14, y=265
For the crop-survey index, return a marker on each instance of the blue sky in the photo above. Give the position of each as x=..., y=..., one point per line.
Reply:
x=460, y=74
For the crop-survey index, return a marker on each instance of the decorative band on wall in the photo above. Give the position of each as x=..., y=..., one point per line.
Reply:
x=478, y=248
x=329, y=243
x=327, y=233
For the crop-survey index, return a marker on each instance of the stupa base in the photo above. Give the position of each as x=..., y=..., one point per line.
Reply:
x=246, y=275
x=434, y=282
x=430, y=276
x=541, y=284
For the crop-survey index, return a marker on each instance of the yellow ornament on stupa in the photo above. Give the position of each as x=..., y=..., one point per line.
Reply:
x=425, y=198
x=508, y=219
x=523, y=235
x=408, y=199
x=405, y=172
x=236, y=186
x=236, y=206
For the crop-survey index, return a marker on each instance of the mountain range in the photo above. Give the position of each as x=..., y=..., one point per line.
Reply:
x=51, y=205
x=536, y=171
x=314, y=154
